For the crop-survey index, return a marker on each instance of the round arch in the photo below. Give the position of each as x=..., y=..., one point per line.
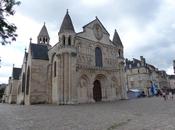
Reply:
x=115, y=85
x=98, y=57
x=28, y=80
x=52, y=57
x=84, y=80
x=99, y=89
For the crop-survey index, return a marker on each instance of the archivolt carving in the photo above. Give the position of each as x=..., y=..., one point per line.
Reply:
x=84, y=81
x=114, y=82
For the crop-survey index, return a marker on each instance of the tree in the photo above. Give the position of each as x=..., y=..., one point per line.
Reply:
x=7, y=29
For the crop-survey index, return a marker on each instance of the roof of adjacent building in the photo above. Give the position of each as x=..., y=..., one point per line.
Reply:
x=44, y=32
x=171, y=76
x=16, y=73
x=135, y=63
x=39, y=51
x=67, y=25
x=116, y=39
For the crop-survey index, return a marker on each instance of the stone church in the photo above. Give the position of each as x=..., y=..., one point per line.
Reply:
x=81, y=67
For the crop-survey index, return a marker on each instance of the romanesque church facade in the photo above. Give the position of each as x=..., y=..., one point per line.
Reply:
x=81, y=67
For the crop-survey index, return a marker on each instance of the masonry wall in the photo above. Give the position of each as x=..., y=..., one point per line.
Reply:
x=38, y=82
x=138, y=78
x=13, y=94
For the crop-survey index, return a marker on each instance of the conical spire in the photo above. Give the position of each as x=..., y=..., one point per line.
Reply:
x=43, y=32
x=43, y=36
x=67, y=25
x=116, y=39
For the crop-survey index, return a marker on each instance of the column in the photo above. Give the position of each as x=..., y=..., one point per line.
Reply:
x=122, y=82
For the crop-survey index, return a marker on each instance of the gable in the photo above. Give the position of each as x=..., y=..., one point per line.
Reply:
x=96, y=21
x=95, y=31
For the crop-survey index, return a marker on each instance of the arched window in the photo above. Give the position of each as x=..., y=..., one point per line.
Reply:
x=69, y=40
x=55, y=69
x=98, y=57
x=28, y=78
x=23, y=82
x=64, y=40
x=120, y=53
x=10, y=88
x=40, y=40
x=44, y=40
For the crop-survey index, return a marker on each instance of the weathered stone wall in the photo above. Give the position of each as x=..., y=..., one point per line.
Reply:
x=138, y=78
x=28, y=70
x=21, y=94
x=13, y=94
x=172, y=83
x=38, y=85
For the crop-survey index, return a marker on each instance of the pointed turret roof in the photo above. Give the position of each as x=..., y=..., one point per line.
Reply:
x=116, y=39
x=43, y=32
x=67, y=25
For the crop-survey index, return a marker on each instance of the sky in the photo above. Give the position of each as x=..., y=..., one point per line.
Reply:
x=146, y=27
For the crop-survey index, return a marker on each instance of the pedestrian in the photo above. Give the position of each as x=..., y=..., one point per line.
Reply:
x=170, y=95
x=164, y=96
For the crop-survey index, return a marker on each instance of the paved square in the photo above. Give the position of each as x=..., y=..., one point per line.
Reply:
x=139, y=114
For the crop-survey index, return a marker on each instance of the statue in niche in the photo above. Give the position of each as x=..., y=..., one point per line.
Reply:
x=83, y=82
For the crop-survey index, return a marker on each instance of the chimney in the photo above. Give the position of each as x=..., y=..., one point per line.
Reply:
x=142, y=60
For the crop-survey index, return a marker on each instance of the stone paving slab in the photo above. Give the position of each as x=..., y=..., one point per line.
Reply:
x=139, y=114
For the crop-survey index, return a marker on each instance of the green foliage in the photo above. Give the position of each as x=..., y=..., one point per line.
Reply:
x=7, y=29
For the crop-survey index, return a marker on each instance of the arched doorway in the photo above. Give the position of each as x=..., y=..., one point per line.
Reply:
x=97, y=94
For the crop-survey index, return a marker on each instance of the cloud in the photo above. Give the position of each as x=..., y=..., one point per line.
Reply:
x=146, y=27
x=156, y=41
x=95, y=3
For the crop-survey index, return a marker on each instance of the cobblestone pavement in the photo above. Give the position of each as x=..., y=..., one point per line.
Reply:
x=138, y=114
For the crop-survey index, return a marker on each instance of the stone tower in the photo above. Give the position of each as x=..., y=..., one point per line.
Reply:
x=67, y=32
x=117, y=42
x=67, y=61
x=43, y=37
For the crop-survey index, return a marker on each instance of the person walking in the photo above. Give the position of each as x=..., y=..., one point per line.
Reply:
x=170, y=95
x=164, y=96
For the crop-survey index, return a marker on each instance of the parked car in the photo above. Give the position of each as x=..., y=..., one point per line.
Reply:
x=135, y=93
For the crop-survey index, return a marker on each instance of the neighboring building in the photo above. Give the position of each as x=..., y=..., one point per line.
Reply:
x=172, y=81
x=140, y=75
x=172, y=78
x=7, y=91
x=82, y=67
x=163, y=79
x=3, y=86
x=2, y=90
